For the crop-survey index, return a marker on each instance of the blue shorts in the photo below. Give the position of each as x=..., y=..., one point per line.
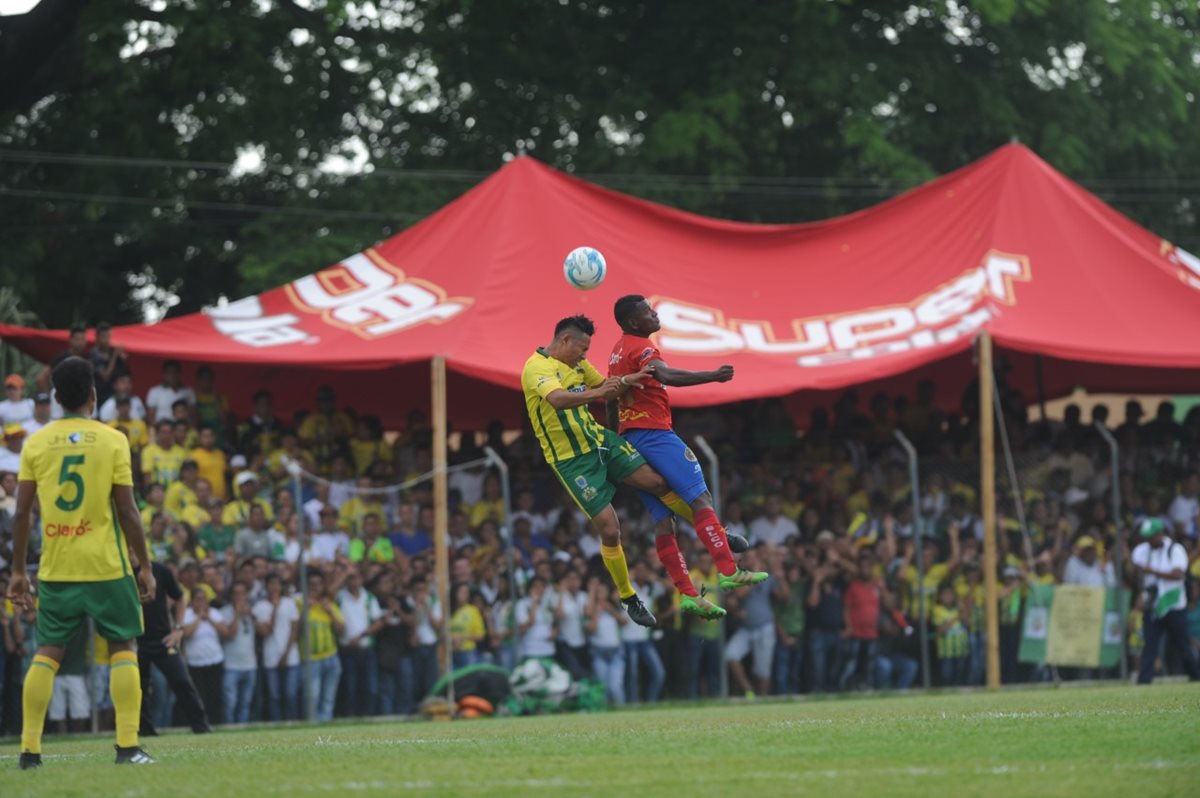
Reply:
x=669, y=456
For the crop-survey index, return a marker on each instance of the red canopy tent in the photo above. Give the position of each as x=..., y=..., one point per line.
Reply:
x=894, y=292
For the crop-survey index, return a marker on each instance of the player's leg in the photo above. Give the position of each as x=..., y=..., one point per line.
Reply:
x=115, y=608
x=588, y=479
x=674, y=460
x=59, y=615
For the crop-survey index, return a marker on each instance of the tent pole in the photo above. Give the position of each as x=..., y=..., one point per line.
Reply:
x=1040, y=375
x=987, y=478
x=441, y=510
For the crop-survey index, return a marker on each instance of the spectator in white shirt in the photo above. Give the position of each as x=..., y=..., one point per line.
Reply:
x=15, y=409
x=163, y=397
x=241, y=664
x=278, y=622
x=362, y=618
x=1185, y=508
x=1085, y=568
x=203, y=628
x=122, y=387
x=772, y=526
x=534, y=616
x=1162, y=564
x=605, y=619
x=329, y=541
x=571, y=645
x=41, y=413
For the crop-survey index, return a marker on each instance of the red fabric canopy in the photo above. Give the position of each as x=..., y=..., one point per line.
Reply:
x=1006, y=243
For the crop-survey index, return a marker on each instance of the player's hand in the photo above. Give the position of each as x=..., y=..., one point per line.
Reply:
x=611, y=388
x=723, y=374
x=19, y=592
x=633, y=380
x=173, y=638
x=147, y=587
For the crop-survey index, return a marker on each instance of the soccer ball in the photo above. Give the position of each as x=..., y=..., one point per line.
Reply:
x=585, y=268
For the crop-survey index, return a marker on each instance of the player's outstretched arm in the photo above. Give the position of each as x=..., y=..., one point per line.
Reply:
x=131, y=524
x=562, y=399
x=19, y=591
x=682, y=378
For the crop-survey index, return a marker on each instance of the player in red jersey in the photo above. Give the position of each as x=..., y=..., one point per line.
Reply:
x=644, y=419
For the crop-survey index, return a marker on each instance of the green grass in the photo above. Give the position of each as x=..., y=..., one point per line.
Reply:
x=1071, y=742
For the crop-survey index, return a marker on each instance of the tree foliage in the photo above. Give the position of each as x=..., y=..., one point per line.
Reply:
x=757, y=111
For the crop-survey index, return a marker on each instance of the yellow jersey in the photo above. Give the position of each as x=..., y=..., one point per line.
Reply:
x=162, y=465
x=563, y=433
x=75, y=462
x=136, y=429
x=212, y=466
x=178, y=498
x=322, y=642
x=237, y=512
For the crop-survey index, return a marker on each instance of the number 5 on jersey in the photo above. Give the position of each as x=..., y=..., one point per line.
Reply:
x=67, y=475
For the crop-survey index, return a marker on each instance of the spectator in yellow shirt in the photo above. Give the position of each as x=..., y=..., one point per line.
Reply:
x=325, y=625
x=467, y=628
x=935, y=573
x=197, y=514
x=162, y=459
x=134, y=428
x=327, y=430
x=237, y=512
x=182, y=493
x=368, y=447
x=155, y=497
x=211, y=461
x=491, y=506
x=354, y=509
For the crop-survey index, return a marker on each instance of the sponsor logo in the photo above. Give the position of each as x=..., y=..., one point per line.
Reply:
x=73, y=438
x=951, y=311
x=67, y=530
x=1187, y=265
x=585, y=490
x=364, y=294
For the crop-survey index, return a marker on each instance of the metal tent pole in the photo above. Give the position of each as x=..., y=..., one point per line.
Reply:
x=1114, y=450
x=714, y=488
x=918, y=534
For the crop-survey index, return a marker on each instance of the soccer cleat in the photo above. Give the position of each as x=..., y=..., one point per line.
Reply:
x=741, y=578
x=133, y=755
x=638, y=613
x=737, y=543
x=701, y=607
x=29, y=761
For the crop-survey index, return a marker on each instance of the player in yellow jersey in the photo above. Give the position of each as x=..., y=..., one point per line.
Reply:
x=588, y=459
x=79, y=470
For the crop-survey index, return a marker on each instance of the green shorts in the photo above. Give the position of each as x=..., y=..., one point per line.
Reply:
x=591, y=478
x=113, y=605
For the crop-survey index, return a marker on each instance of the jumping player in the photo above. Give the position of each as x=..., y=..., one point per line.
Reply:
x=80, y=470
x=559, y=384
x=645, y=421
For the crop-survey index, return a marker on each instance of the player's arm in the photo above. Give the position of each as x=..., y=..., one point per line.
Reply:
x=130, y=519
x=19, y=590
x=682, y=378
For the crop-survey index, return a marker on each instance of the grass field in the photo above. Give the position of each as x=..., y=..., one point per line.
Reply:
x=1078, y=742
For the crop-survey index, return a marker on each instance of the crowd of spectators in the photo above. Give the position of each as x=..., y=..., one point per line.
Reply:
x=826, y=506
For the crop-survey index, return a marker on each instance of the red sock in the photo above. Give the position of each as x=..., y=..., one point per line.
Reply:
x=712, y=535
x=672, y=559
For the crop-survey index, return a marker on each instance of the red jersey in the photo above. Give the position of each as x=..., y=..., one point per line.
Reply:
x=862, y=605
x=641, y=408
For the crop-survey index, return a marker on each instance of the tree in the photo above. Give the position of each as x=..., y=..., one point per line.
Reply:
x=762, y=111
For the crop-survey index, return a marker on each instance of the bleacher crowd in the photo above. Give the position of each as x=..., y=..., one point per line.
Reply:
x=825, y=504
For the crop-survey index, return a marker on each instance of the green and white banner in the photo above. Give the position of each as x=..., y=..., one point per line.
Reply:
x=1073, y=625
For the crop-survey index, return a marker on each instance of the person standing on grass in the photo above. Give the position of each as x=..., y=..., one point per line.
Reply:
x=203, y=629
x=953, y=646
x=80, y=471
x=159, y=647
x=1162, y=565
x=325, y=623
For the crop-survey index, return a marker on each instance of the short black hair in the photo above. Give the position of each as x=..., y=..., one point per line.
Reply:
x=579, y=323
x=103, y=327
x=73, y=378
x=625, y=307
x=76, y=329
x=172, y=363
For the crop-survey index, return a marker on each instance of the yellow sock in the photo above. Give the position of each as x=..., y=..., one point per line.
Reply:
x=677, y=505
x=614, y=561
x=35, y=700
x=125, y=684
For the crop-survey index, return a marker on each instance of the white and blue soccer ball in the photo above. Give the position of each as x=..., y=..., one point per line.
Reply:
x=585, y=268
